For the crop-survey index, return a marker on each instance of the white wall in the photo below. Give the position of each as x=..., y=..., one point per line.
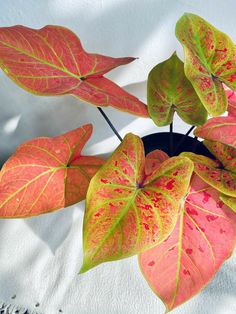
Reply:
x=39, y=257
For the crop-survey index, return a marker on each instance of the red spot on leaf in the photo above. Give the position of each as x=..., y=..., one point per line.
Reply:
x=192, y=211
x=186, y=272
x=146, y=226
x=118, y=190
x=206, y=197
x=189, y=251
x=190, y=227
x=170, y=184
x=202, y=229
x=104, y=181
x=219, y=204
x=200, y=249
x=211, y=218
x=152, y=263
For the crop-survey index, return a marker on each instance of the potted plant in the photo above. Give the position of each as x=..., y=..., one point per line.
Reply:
x=168, y=198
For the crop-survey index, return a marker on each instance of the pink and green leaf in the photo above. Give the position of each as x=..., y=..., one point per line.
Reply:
x=46, y=174
x=52, y=61
x=224, y=153
x=212, y=173
x=210, y=60
x=169, y=91
x=220, y=129
x=128, y=212
x=203, y=238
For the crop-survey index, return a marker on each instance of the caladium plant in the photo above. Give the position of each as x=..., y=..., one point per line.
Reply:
x=176, y=212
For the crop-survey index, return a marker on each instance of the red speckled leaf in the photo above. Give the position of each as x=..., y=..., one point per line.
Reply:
x=231, y=95
x=224, y=153
x=153, y=161
x=220, y=129
x=52, y=61
x=203, y=238
x=127, y=212
x=168, y=90
x=213, y=173
x=210, y=60
x=46, y=174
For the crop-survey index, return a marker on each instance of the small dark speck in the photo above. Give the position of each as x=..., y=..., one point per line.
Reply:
x=60, y=311
x=37, y=304
x=214, y=77
x=13, y=297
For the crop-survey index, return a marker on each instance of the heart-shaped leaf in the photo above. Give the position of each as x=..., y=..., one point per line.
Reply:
x=52, y=61
x=210, y=59
x=153, y=161
x=168, y=90
x=212, y=173
x=231, y=95
x=203, y=238
x=220, y=129
x=127, y=211
x=46, y=174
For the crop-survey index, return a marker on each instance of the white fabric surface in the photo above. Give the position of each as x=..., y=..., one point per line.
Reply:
x=40, y=257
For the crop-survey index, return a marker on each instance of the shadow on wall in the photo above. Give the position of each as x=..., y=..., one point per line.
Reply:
x=48, y=116
x=29, y=116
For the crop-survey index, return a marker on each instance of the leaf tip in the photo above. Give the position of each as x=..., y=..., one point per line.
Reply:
x=84, y=269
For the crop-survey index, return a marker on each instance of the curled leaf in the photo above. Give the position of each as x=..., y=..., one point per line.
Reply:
x=220, y=129
x=52, y=61
x=169, y=90
x=203, y=238
x=127, y=211
x=210, y=60
x=46, y=174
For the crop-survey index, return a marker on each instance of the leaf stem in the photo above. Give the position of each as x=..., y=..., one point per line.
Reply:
x=183, y=139
x=110, y=124
x=171, y=139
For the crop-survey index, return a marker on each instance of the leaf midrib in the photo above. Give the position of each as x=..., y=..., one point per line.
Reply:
x=41, y=60
x=51, y=170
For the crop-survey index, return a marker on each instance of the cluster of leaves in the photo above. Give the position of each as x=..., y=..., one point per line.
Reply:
x=177, y=214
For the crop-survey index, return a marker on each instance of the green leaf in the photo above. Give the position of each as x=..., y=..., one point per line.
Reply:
x=169, y=90
x=210, y=59
x=128, y=211
x=229, y=201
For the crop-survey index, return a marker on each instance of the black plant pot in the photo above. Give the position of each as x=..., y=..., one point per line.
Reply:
x=174, y=143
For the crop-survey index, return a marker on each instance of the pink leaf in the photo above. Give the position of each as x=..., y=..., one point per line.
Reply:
x=204, y=237
x=52, y=61
x=46, y=174
x=220, y=129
